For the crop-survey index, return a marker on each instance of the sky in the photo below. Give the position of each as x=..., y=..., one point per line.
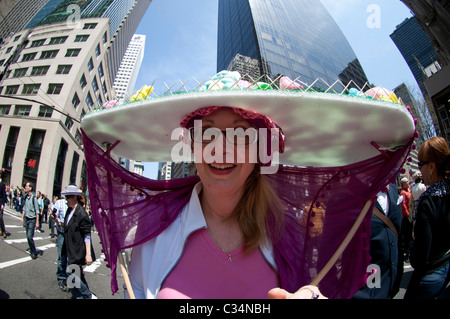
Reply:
x=182, y=42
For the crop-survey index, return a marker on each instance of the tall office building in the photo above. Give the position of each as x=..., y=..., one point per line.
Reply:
x=15, y=14
x=434, y=18
x=296, y=38
x=415, y=47
x=52, y=74
x=129, y=69
x=124, y=16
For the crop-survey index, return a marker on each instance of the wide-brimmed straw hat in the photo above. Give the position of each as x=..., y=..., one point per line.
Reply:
x=321, y=129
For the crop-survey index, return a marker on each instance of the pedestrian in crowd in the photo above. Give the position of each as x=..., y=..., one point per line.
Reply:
x=430, y=255
x=30, y=218
x=406, y=222
x=385, y=246
x=58, y=215
x=46, y=208
x=3, y=202
x=51, y=222
x=416, y=190
x=18, y=199
x=11, y=197
x=41, y=208
x=77, y=240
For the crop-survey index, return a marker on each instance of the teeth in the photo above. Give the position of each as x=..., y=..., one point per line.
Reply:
x=224, y=166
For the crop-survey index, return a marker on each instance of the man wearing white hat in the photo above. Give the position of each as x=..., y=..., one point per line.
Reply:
x=77, y=241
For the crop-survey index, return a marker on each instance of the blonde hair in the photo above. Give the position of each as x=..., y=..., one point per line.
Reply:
x=259, y=212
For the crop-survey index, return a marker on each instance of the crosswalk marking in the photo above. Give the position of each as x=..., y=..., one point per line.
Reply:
x=19, y=229
x=23, y=240
x=95, y=264
x=10, y=263
x=12, y=215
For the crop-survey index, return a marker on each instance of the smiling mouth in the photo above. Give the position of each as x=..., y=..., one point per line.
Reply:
x=222, y=166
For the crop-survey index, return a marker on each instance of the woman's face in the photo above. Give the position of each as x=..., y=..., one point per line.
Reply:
x=227, y=177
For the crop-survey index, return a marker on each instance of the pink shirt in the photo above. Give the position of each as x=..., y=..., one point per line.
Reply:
x=204, y=272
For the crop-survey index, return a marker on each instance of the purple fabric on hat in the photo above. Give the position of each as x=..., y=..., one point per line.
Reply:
x=129, y=209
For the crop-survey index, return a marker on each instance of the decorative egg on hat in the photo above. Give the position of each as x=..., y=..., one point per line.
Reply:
x=381, y=93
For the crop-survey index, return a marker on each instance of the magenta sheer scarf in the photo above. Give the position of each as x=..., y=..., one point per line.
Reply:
x=321, y=206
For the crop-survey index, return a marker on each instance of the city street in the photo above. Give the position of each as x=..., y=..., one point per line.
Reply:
x=24, y=278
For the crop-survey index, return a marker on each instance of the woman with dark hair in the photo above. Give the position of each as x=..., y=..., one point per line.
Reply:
x=430, y=255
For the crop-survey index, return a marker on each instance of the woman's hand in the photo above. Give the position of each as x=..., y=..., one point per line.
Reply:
x=306, y=292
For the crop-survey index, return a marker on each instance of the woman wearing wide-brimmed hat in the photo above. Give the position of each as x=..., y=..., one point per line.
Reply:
x=240, y=229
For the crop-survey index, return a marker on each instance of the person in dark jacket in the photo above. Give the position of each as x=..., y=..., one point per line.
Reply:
x=77, y=243
x=3, y=201
x=430, y=254
x=385, y=248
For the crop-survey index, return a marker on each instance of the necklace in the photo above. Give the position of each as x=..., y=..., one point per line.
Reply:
x=226, y=253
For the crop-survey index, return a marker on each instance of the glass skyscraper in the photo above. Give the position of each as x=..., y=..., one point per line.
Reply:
x=418, y=52
x=296, y=38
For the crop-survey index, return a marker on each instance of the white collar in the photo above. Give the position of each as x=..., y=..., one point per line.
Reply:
x=193, y=218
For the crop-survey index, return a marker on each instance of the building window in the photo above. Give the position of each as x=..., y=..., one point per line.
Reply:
x=31, y=89
x=20, y=72
x=100, y=70
x=82, y=38
x=8, y=50
x=68, y=123
x=74, y=169
x=83, y=81
x=4, y=109
x=104, y=87
x=29, y=56
x=22, y=110
x=90, y=65
x=8, y=156
x=88, y=26
x=89, y=101
x=45, y=111
x=12, y=89
x=40, y=70
x=59, y=169
x=78, y=137
x=99, y=100
x=58, y=40
x=63, y=69
x=97, y=50
x=105, y=37
x=37, y=43
x=95, y=84
x=54, y=88
x=17, y=38
x=75, y=101
x=72, y=52
x=49, y=54
x=31, y=165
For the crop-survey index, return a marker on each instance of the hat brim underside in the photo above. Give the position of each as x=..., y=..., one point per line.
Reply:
x=321, y=129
